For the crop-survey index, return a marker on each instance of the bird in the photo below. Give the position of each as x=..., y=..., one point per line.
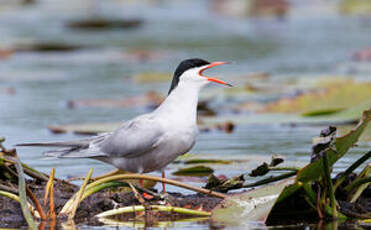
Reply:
x=151, y=141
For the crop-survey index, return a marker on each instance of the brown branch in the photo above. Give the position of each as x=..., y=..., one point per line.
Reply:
x=37, y=204
x=158, y=179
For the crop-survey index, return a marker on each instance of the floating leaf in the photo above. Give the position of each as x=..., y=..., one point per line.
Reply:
x=47, y=47
x=254, y=205
x=329, y=99
x=152, y=77
x=87, y=129
x=207, y=161
x=355, y=7
x=104, y=23
x=95, y=128
x=322, y=112
x=194, y=171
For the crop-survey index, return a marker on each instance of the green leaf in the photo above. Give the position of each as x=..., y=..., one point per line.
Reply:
x=194, y=171
x=254, y=205
x=314, y=170
x=322, y=112
x=207, y=161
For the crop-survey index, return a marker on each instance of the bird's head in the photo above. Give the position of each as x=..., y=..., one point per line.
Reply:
x=191, y=71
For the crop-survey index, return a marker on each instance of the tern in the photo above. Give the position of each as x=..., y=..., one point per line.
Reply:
x=151, y=141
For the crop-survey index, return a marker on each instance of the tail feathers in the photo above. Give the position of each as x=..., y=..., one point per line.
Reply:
x=74, y=152
x=58, y=152
x=83, y=148
x=82, y=143
x=57, y=144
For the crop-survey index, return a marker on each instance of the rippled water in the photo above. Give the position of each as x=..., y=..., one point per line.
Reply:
x=302, y=45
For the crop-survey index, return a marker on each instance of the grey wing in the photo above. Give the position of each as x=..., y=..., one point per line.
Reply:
x=134, y=138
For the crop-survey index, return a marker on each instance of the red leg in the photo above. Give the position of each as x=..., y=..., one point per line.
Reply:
x=163, y=184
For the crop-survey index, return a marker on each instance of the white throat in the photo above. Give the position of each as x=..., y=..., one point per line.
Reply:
x=181, y=104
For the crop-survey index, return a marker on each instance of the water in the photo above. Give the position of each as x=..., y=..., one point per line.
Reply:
x=303, y=44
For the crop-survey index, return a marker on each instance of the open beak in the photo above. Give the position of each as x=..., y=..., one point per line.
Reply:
x=213, y=64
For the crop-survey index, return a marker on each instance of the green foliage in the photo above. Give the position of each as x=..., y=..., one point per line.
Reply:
x=194, y=171
x=313, y=171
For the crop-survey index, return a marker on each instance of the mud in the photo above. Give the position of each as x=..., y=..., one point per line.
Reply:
x=11, y=214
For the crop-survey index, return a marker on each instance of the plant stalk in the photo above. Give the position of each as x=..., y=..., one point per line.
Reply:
x=79, y=195
x=329, y=184
x=140, y=208
x=269, y=180
x=23, y=197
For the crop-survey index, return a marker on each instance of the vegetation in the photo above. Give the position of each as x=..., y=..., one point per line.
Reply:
x=325, y=197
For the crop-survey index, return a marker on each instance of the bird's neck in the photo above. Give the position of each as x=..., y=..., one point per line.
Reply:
x=181, y=104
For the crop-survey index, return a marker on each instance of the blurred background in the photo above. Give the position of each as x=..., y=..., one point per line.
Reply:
x=73, y=68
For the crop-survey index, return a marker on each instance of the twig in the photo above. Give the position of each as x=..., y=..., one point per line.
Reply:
x=136, y=194
x=8, y=189
x=156, y=195
x=23, y=197
x=28, y=170
x=161, y=208
x=159, y=179
x=269, y=180
x=329, y=184
x=37, y=204
x=111, y=173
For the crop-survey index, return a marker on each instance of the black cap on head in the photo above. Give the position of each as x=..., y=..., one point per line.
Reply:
x=184, y=66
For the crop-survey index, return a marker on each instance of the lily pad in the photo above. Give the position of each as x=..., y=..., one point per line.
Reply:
x=355, y=7
x=254, y=205
x=152, y=77
x=323, y=112
x=103, y=23
x=47, y=47
x=331, y=98
x=95, y=128
x=207, y=161
x=86, y=129
x=194, y=171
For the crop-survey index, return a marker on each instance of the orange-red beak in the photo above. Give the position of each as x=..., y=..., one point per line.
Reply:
x=213, y=64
